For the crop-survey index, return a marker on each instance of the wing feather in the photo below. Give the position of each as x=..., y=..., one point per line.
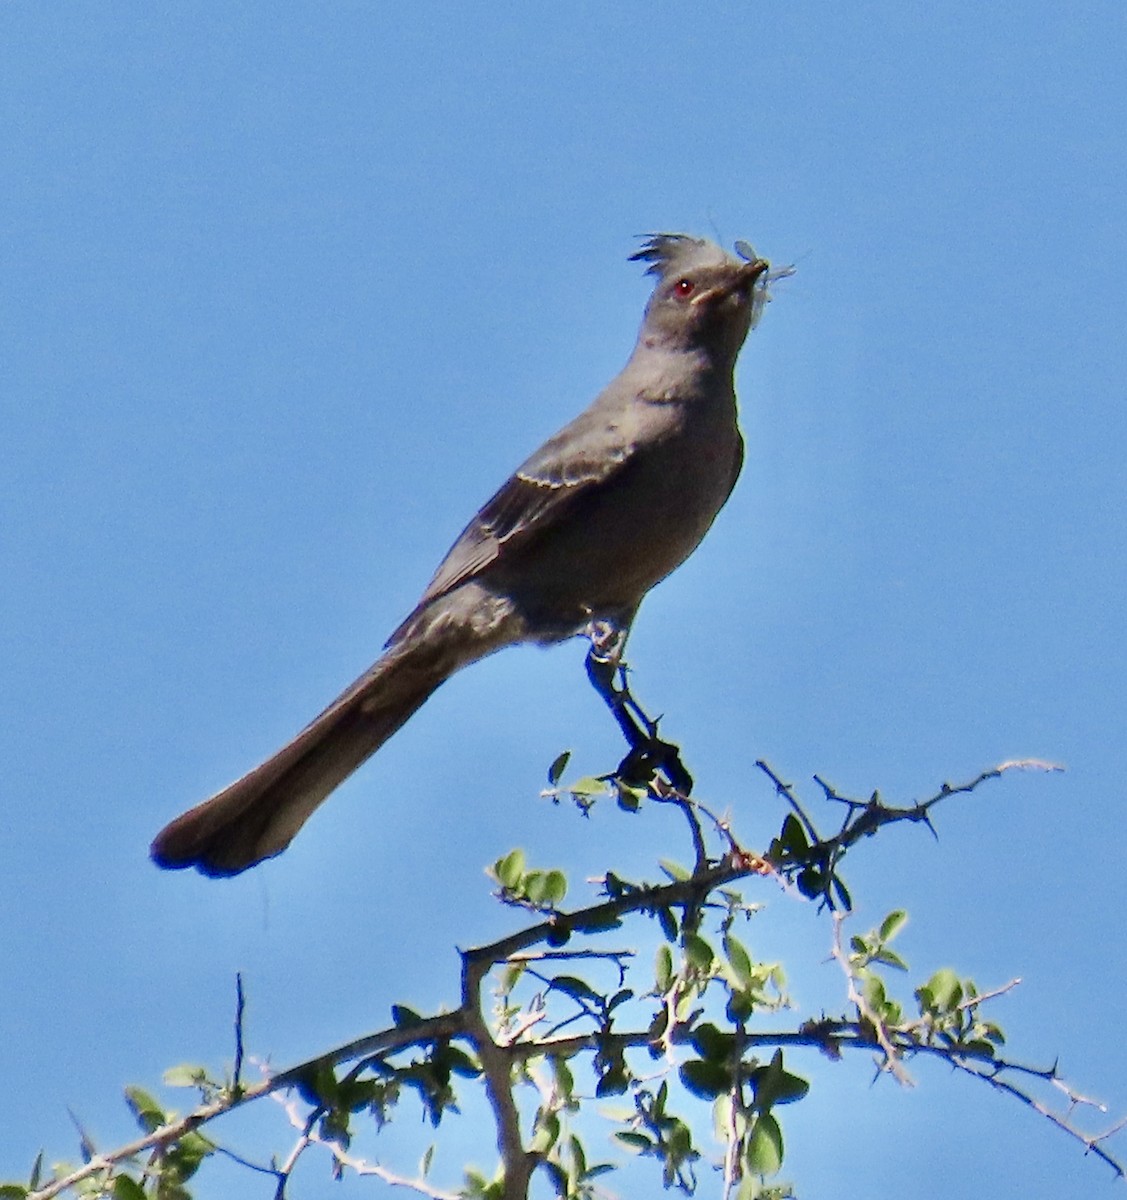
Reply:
x=530, y=503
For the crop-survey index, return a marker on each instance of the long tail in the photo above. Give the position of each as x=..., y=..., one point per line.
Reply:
x=258, y=815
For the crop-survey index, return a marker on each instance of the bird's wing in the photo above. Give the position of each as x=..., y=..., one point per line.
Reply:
x=584, y=455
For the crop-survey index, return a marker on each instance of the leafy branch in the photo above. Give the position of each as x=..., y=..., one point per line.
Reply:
x=552, y=1020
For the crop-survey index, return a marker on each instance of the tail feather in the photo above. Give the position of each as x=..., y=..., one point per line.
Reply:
x=257, y=816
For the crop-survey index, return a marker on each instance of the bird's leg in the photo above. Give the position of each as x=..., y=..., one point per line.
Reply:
x=604, y=665
x=648, y=753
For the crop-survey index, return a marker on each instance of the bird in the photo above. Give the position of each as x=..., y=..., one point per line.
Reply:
x=571, y=542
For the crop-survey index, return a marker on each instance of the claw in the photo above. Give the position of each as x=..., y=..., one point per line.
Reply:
x=648, y=753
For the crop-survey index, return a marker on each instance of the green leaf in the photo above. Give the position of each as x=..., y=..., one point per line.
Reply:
x=556, y=887
x=873, y=990
x=619, y=997
x=565, y=1081
x=578, y=1156
x=705, y=1078
x=403, y=1017
x=892, y=924
x=638, y=1142
x=425, y=1161
x=510, y=976
x=184, y=1075
x=698, y=952
x=740, y=1005
x=749, y=1187
x=810, y=882
x=576, y=988
x=547, y=1133
x=534, y=887
x=318, y=1085
x=510, y=869
x=189, y=1152
x=589, y=785
x=792, y=837
x=774, y=1085
x=765, y=1149
x=613, y=1082
x=629, y=798
x=13, y=1191
x=710, y=1043
x=559, y=765
x=668, y=923
x=942, y=992
x=148, y=1113
x=739, y=960
x=461, y=1063
x=663, y=968
x=675, y=871
x=127, y=1188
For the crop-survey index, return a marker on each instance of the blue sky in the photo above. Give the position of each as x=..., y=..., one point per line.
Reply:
x=288, y=290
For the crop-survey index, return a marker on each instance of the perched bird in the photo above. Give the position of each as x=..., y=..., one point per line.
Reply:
x=584, y=528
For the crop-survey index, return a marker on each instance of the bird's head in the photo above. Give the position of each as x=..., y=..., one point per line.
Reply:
x=704, y=299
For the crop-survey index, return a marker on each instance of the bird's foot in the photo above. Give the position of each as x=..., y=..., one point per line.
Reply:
x=648, y=753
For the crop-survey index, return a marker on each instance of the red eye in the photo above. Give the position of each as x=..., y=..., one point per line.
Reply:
x=683, y=288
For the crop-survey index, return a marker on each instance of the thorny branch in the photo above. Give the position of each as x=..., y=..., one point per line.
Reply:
x=500, y=1057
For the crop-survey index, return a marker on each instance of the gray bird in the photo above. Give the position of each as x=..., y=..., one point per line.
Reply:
x=574, y=539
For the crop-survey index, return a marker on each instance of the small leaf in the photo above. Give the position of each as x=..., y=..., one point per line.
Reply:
x=127, y=1188
x=765, y=1150
x=739, y=960
x=546, y=1135
x=698, y=952
x=559, y=765
x=740, y=1006
x=663, y=968
x=148, y=1113
x=843, y=896
x=565, y=1081
x=510, y=868
x=873, y=990
x=576, y=988
x=774, y=1085
x=675, y=871
x=619, y=997
x=555, y=887
x=892, y=924
x=706, y=1079
x=510, y=976
x=942, y=992
x=426, y=1160
x=403, y=1017
x=13, y=1191
x=461, y=1063
x=668, y=923
x=184, y=1075
x=638, y=1142
x=589, y=785
x=710, y=1043
x=578, y=1156
x=810, y=882
x=613, y=1082
x=792, y=837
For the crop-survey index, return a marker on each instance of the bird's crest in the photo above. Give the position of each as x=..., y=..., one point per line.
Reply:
x=676, y=251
